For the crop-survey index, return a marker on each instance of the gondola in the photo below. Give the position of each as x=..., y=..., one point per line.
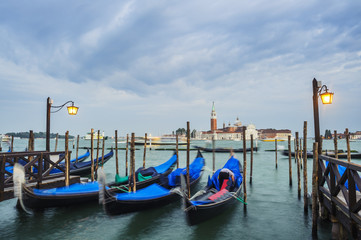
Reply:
x=155, y=195
x=79, y=192
x=81, y=158
x=146, y=176
x=221, y=192
x=82, y=168
x=227, y=150
x=341, y=154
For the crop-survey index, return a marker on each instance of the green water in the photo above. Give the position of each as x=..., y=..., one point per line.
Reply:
x=273, y=211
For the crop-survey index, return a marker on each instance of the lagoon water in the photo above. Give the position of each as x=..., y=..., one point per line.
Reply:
x=273, y=211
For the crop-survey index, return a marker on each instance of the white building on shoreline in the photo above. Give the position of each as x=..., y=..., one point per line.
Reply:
x=231, y=132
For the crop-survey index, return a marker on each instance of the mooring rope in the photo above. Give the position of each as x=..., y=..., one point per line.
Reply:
x=119, y=188
x=239, y=198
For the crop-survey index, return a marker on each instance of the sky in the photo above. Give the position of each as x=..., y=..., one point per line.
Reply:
x=151, y=66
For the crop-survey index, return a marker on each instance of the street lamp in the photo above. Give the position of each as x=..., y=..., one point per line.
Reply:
x=326, y=98
x=72, y=110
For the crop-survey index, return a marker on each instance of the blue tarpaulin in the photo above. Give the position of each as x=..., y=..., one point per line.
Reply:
x=72, y=189
x=150, y=192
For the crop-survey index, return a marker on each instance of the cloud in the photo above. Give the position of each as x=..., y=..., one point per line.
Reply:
x=137, y=60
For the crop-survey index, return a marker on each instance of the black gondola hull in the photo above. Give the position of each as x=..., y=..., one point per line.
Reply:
x=197, y=214
x=115, y=207
x=34, y=201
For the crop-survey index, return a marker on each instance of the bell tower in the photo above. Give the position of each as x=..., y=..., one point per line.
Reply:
x=213, y=119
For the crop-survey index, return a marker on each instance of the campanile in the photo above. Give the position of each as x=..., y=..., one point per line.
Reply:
x=213, y=119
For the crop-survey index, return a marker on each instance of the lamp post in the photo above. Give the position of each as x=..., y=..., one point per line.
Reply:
x=72, y=110
x=326, y=98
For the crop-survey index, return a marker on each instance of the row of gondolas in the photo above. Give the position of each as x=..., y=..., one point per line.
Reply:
x=145, y=189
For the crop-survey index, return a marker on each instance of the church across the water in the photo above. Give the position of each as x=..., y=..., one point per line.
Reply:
x=230, y=132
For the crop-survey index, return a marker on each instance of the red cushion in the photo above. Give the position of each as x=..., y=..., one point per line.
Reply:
x=218, y=194
x=224, y=184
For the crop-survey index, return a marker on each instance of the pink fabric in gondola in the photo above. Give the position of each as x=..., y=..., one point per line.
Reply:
x=218, y=194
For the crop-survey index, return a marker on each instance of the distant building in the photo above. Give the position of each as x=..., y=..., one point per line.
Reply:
x=271, y=133
x=356, y=135
x=230, y=132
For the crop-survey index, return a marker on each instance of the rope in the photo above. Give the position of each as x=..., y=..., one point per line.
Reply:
x=114, y=187
x=239, y=199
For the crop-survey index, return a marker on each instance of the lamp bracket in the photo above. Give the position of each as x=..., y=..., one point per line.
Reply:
x=61, y=106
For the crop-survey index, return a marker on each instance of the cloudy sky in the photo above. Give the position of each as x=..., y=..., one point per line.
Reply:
x=151, y=66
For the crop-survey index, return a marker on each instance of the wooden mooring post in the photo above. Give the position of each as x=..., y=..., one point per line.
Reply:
x=297, y=156
x=335, y=143
x=289, y=160
x=97, y=161
x=315, y=190
x=244, y=168
x=67, y=160
x=91, y=154
x=132, y=159
x=348, y=145
x=103, y=149
x=176, y=149
x=251, y=174
x=145, y=149
x=188, y=150
x=276, y=153
x=126, y=155
x=305, y=189
x=213, y=155
x=77, y=149
x=12, y=143
x=116, y=153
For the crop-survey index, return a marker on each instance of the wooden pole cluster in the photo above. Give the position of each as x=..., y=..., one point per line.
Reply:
x=91, y=154
x=244, y=168
x=67, y=160
x=116, y=153
x=348, y=145
x=305, y=187
x=298, y=167
x=145, y=149
x=315, y=190
x=335, y=142
x=77, y=148
x=176, y=149
x=126, y=156
x=132, y=159
x=250, y=180
x=213, y=155
x=188, y=150
x=289, y=160
x=56, y=142
x=276, y=153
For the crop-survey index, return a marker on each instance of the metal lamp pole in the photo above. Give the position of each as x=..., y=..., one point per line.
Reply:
x=48, y=107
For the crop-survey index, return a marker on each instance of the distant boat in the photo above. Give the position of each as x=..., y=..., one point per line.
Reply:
x=205, y=149
x=95, y=136
x=5, y=138
x=340, y=155
x=158, y=143
x=272, y=140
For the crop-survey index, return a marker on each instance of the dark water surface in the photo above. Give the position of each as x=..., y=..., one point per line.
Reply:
x=273, y=211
